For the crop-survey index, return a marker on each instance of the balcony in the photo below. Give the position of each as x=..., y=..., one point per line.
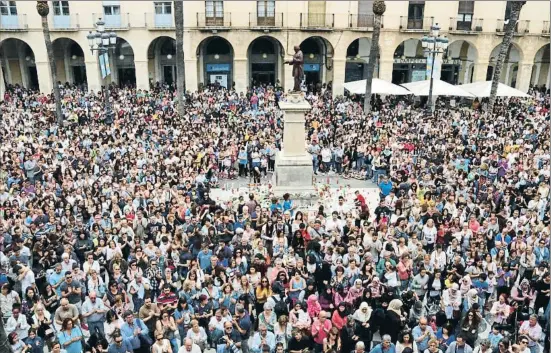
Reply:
x=118, y=22
x=13, y=23
x=457, y=25
x=159, y=22
x=521, y=28
x=317, y=21
x=64, y=23
x=545, y=30
x=214, y=20
x=266, y=21
x=363, y=22
x=416, y=24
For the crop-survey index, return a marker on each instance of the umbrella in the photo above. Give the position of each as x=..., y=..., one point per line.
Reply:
x=439, y=88
x=378, y=86
x=483, y=89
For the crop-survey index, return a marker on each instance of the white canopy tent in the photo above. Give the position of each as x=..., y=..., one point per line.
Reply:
x=483, y=89
x=378, y=87
x=440, y=88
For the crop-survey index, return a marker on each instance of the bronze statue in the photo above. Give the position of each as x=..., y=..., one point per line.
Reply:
x=298, y=71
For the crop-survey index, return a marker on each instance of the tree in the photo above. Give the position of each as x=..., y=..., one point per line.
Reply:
x=43, y=10
x=180, y=66
x=516, y=6
x=379, y=8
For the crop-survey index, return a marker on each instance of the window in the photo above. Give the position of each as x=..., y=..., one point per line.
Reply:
x=8, y=8
x=111, y=10
x=266, y=8
x=465, y=11
x=365, y=13
x=61, y=8
x=163, y=8
x=416, y=10
x=214, y=8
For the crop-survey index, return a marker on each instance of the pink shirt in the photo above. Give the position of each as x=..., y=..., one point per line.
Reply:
x=319, y=330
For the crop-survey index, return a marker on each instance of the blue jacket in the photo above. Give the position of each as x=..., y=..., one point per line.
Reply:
x=127, y=332
x=379, y=349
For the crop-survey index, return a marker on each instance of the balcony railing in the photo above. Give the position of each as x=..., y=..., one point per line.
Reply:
x=64, y=23
x=418, y=24
x=545, y=30
x=317, y=20
x=114, y=22
x=213, y=19
x=274, y=20
x=14, y=23
x=362, y=21
x=522, y=27
x=155, y=21
x=458, y=25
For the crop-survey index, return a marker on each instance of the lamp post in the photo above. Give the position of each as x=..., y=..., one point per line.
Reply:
x=433, y=44
x=102, y=42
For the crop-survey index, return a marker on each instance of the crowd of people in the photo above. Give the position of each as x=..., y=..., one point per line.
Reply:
x=110, y=240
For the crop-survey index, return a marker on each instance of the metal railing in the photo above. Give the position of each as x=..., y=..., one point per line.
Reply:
x=545, y=29
x=159, y=21
x=363, y=21
x=213, y=19
x=266, y=20
x=521, y=27
x=64, y=23
x=14, y=23
x=113, y=22
x=317, y=20
x=416, y=23
x=458, y=25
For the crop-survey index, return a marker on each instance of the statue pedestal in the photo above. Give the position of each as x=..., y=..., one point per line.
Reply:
x=293, y=165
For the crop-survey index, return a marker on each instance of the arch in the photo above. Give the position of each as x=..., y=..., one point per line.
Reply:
x=161, y=60
x=410, y=62
x=123, y=70
x=541, y=71
x=458, y=62
x=357, y=58
x=509, y=70
x=70, y=61
x=215, y=61
x=265, y=55
x=318, y=59
x=18, y=63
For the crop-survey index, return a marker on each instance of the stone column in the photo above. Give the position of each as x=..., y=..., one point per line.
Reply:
x=523, y=76
x=92, y=74
x=43, y=72
x=142, y=74
x=480, y=70
x=240, y=75
x=385, y=70
x=339, y=69
x=293, y=172
x=192, y=75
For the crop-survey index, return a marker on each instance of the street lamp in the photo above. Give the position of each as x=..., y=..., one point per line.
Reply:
x=433, y=44
x=102, y=42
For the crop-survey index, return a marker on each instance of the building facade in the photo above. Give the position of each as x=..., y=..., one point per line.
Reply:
x=236, y=43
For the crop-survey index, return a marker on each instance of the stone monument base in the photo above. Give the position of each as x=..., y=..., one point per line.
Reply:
x=294, y=175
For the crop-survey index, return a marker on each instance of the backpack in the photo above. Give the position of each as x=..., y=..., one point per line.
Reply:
x=280, y=307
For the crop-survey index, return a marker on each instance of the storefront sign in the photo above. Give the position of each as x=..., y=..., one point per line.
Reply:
x=311, y=67
x=424, y=61
x=218, y=67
